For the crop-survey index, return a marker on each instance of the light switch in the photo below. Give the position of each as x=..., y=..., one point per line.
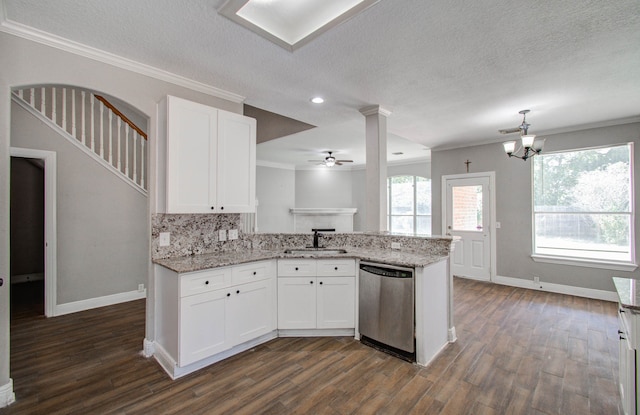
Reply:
x=497, y=225
x=233, y=234
x=165, y=238
x=222, y=235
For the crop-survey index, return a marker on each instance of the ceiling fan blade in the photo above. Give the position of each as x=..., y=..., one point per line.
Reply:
x=315, y=161
x=337, y=163
x=344, y=161
x=510, y=130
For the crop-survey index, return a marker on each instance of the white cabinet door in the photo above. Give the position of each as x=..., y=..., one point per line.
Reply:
x=236, y=163
x=202, y=326
x=627, y=366
x=250, y=311
x=191, y=154
x=336, y=302
x=296, y=303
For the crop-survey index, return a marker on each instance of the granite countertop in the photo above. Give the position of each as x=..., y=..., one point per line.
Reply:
x=628, y=292
x=222, y=259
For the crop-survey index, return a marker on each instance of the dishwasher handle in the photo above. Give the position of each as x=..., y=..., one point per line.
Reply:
x=386, y=272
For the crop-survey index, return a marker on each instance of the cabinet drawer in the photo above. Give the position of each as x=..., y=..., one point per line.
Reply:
x=297, y=268
x=336, y=267
x=627, y=322
x=204, y=281
x=251, y=272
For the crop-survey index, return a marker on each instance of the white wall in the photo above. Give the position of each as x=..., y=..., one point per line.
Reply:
x=275, y=189
x=323, y=188
x=513, y=203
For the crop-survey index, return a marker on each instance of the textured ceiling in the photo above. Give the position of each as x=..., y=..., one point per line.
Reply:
x=451, y=71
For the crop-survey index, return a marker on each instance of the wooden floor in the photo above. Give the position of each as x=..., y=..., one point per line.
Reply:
x=518, y=352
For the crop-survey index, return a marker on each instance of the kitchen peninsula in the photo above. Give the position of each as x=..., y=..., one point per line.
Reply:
x=212, y=305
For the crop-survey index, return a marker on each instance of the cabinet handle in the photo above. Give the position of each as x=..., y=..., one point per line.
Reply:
x=621, y=310
x=213, y=207
x=336, y=268
x=206, y=283
x=228, y=294
x=221, y=207
x=622, y=338
x=320, y=282
x=237, y=291
x=310, y=282
x=254, y=272
x=296, y=268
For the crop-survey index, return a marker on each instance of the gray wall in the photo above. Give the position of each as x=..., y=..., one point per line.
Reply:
x=33, y=63
x=102, y=239
x=275, y=189
x=513, y=203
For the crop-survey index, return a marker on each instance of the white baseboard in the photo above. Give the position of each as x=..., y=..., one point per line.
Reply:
x=170, y=366
x=558, y=288
x=316, y=332
x=18, y=279
x=82, y=305
x=148, y=348
x=451, y=334
x=7, y=397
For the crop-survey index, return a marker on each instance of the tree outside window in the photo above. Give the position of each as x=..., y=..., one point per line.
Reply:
x=409, y=204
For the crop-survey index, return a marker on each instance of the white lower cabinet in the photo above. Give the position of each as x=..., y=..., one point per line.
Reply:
x=250, y=312
x=628, y=383
x=203, y=321
x=316, y=294
x=204, y=313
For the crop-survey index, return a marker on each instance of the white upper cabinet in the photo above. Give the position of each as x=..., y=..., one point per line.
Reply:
x=236, y=182
x=211, y=158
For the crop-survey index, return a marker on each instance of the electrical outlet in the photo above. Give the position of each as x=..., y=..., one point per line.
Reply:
x=140, y=287
x=233, y=234
x=222, y=235
x=165, y=238
x=536, y=282
x=497, y=225
x=396, y=245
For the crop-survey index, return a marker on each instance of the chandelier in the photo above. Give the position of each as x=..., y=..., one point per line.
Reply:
x=530, y=146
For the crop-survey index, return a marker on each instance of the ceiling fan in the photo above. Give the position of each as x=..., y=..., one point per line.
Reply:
x=331, y=161
x=522, y=128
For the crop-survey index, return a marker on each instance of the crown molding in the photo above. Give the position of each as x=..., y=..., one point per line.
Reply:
x=48, y=39
x=274, y=165
x=545, y=133
x=373, y=110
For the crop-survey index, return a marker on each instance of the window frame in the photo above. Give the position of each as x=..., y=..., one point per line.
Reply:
x=415, y=214
x=629, y=265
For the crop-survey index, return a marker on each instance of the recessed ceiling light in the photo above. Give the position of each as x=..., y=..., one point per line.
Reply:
x=317, y=100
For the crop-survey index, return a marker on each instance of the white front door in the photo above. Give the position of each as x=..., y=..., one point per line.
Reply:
x=467, y=201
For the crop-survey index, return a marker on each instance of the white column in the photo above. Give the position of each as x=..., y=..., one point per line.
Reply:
x=376, y=169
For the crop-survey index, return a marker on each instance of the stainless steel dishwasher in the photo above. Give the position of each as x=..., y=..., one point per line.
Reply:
x=386, y=309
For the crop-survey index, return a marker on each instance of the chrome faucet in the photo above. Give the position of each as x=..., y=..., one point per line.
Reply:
x=317, y=235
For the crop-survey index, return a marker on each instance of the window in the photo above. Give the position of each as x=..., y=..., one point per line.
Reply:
x=409, y=204
x=582, y=205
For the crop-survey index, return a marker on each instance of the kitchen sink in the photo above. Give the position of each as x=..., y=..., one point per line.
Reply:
x=315, y=251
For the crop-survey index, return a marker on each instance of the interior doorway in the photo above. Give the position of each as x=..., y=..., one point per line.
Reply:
x=469, y=214
x=27, y=236
x=33, y=230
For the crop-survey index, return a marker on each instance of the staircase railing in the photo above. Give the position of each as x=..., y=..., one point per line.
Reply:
x=94, y=123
